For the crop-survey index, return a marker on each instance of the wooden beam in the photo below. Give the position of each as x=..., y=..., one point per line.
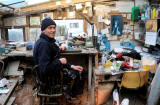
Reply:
x=106, y=3
x=48, y=6
x=2, y=12
x=4, y=5
x=103, y=0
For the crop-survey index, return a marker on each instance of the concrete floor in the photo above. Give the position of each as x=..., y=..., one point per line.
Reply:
x=135, y=96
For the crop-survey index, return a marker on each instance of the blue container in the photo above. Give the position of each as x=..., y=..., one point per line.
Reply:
x=29, y=45
x=2, y=50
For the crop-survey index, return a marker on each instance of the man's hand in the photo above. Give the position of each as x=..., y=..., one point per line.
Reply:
x=63, y=61
x=62, y=48
x=78, y=68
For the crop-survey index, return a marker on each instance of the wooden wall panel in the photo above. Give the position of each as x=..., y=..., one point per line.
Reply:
x=15, y=21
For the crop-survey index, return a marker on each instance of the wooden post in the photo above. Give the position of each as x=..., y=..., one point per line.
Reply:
x=90, y=72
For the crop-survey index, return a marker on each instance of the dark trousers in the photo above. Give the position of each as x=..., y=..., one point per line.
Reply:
x=78, y=85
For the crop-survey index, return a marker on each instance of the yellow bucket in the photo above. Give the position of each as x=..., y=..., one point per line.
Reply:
x=134, y=79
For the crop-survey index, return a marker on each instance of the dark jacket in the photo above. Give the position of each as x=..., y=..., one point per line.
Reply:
x=46, y=55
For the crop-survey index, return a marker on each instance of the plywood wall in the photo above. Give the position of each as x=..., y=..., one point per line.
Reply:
x=15, y=21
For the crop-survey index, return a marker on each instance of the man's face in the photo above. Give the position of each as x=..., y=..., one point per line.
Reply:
x=50, y=31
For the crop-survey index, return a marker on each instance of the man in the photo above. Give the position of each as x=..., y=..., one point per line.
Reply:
x=47, y=57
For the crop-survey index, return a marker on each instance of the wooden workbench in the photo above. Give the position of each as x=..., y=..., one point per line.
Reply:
x=91, y=54
x=5, y=97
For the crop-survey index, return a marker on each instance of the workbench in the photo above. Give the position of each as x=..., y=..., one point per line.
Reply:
x=4, y=98
x=91, y=55
x=132, y=79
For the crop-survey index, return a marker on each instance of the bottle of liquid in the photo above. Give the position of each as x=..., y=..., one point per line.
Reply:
x=103, y=59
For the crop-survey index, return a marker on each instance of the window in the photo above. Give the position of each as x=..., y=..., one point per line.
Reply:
x=15, y=34
x=34, y=33
x=74, y=26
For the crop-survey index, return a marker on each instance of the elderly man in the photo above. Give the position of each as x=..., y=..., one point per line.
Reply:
x=47, y=57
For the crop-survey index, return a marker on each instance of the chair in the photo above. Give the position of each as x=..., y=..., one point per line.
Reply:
x=51, y=87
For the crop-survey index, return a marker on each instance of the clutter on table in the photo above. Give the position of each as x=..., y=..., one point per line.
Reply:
x=126, y=60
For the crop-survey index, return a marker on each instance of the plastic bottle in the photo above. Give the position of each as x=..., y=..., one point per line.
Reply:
x=103, y=59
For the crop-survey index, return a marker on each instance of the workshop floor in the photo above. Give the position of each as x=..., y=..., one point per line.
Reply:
x=25, y=95
x=135, y=96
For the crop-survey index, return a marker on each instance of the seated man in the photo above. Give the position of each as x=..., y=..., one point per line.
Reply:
x=47, y=56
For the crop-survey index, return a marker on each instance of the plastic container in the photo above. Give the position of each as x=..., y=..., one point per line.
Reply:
x=148, y=63
x=108, y=64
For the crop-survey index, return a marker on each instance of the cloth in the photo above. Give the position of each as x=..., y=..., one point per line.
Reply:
x=47, y=22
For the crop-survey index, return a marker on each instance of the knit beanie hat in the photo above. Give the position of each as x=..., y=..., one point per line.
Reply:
x=47, y=22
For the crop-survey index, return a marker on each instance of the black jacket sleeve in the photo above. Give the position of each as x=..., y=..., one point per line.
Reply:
x=47, y=64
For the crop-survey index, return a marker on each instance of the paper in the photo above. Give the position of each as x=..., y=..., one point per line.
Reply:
x=79, y=6
x=151, y=38
x=100, y=19
x=3, y=82
x=4, y=91
x=105, y=31
x=89, y=30
x=117, y=72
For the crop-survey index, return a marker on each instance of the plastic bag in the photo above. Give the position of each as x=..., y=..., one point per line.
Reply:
x=125, y=101
x=115, y=97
